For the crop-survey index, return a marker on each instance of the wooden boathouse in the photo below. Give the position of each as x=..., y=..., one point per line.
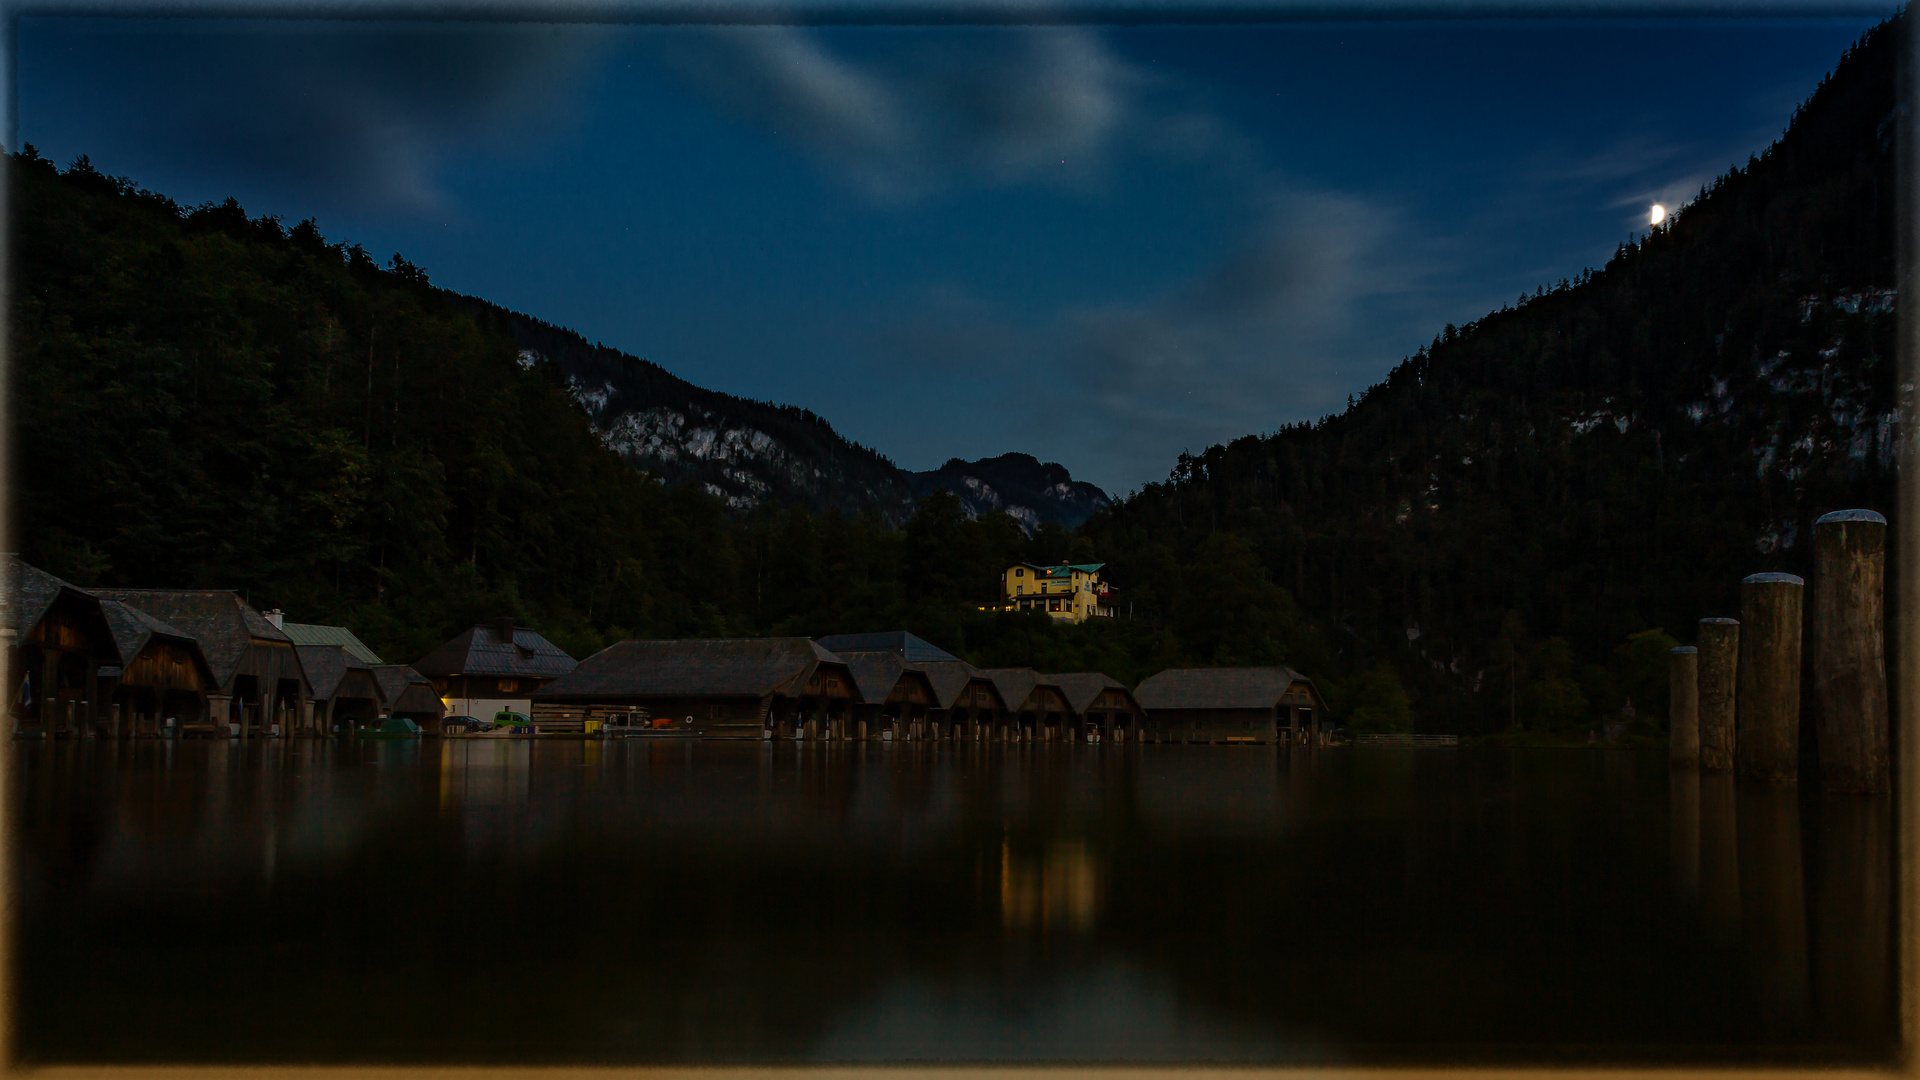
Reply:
x=894, y=698
x=59, y=642
x=1038, y=708
x=163, y=676
x=345, y=693
x=966, y=705
x=728, y=687
x=409, y=694
x=1228, y=705
x=259, y=681
x=493, y=667
x=1099, y=704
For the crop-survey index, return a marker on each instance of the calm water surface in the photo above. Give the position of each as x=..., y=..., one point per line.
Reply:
x=627, y=902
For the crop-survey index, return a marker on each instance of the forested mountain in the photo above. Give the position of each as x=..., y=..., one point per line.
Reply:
x=1508, y=531
x=752, y=453
x=202, y=399
x=1605, y=458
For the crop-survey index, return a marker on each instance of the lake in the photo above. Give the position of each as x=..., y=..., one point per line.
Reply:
x=566, y=901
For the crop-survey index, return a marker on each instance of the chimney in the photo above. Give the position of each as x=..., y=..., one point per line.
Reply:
x=503, y=631
x=276, y=617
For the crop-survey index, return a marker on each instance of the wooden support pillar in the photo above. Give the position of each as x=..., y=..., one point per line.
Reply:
x=1719, y=663
x=49, y=695
x=1849, y=650
x=1767, y=712
x=1683, y=707
x=219, y=711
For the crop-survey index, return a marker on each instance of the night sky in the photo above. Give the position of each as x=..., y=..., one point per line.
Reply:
x=1098, y=245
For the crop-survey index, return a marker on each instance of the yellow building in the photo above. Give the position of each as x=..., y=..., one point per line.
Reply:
x=1072, y=592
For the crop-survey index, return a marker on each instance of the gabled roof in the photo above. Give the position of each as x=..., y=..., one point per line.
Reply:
x=326, y=666
x=951, y=678
x=1016, y=684
x=133, y=629
x=701, y=667
x=406, y=690
x=28, y=594
x=912, y=649
x=316, y=634
x=218, y=619
x=1218, y=688
x=481, y=650
x=877, y=674
x=1081, y=687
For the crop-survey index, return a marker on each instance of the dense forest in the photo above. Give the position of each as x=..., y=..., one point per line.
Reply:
x=1521, y=518
x=1508, y=531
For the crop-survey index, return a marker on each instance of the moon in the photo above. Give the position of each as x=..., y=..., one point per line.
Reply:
x=1658, y=215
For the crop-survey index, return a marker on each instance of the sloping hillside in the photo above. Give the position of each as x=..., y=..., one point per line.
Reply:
x=1610, y=456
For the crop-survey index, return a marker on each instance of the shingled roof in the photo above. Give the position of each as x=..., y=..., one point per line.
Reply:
x=406, y=690
x=876, y=674
x=133, y=628
x=1016, y=684
x=318, y=634
x=912, y=649
x=1081, y=687
x=482, y=650
x=28, y=592
x=701, y=667
x=326, y=665
x=218, y=619
x=1218, y=688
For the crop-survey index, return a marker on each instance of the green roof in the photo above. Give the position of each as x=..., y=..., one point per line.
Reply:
x=1065, y=569
x=311, y=634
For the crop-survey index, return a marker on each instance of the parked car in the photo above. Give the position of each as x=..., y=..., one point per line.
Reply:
x=516, y=723
x=462, y=725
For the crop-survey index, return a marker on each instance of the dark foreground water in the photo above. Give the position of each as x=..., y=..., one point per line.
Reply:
x=568, y=901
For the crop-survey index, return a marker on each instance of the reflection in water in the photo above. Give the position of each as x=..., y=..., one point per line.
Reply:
x=1773, y=903
x=1719, y=860
x=746, y=902
x=1063, y=888
x=1683, y=809
x=1853, y=902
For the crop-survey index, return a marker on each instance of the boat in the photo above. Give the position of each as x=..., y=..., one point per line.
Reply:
x=391, y=727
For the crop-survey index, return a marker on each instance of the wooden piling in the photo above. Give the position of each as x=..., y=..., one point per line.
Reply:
x=1683, y=707
x=1847, y=626
x=1718, y=664
x=1767, y=713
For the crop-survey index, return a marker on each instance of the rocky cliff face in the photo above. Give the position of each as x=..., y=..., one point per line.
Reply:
x=753, y=452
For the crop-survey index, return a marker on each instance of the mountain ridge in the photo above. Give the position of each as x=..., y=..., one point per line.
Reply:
x=750, y=452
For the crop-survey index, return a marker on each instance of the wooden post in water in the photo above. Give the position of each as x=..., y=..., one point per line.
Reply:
x=1849, y=655
x=1767, y=724
x=1719, y=661
x=1683, y=707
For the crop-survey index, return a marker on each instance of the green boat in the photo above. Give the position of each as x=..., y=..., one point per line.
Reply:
x=391, y=727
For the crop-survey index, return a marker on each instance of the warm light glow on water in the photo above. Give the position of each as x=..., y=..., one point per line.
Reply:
x=752, y=902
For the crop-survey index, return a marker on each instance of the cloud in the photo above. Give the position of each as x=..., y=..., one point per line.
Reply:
x=996, y=106
x=1255, y=340
x=346, y=114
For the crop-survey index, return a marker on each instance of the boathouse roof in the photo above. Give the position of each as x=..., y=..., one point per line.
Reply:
x=877, y=674
x=30, y=592
x=699, y=667
x=1082, y=687
x=497, y=649
x=406, y=690
x=316, y=634
x=951, y=678
x=1221, y=688
x=909, y=647
x=223, y=623
x=133, y=629
x=327, y=667
x=1016, y=685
